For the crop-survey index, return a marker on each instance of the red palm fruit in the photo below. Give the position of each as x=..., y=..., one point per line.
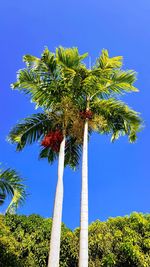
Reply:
x=53, y=140
x=87, y=114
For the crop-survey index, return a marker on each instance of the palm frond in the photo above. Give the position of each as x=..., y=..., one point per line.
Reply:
x=31, y=61
x=123, y=81
x=105, y=62
x=69, y=57
x=110, y=77
x=11, y=185
x=30, y=130
x=46, y=65
x=2, y=197
x=49, y=154
x=73, y=152
x=121, y=120
x=43, y=88
x=49, y=60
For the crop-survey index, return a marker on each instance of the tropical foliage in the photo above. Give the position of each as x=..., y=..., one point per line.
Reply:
x=56, y=76
x=11, y=185
x=118, y=242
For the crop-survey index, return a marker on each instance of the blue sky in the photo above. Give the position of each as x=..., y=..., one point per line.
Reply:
x=119, y=173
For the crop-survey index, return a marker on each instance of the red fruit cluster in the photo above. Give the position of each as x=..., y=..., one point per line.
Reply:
x=53, y=140
x=87, y=114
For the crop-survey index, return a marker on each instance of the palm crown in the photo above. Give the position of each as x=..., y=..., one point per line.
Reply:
x=53, y=77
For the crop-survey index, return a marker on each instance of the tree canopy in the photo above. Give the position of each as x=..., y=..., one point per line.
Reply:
x=120, y=241
x=54, y=77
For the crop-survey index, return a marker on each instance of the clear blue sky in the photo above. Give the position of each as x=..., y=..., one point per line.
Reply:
x=119, y=174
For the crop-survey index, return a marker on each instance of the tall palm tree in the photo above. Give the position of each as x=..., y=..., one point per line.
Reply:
x=96, y=94
x=38, y=128
x=47, y=81
x=11, y=185
x=105, y=114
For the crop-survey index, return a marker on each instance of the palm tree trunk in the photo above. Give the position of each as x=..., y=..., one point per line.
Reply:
x=54, y=254
x=83, y=253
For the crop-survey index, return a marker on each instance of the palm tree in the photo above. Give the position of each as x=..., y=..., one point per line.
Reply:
x=11, y=185
x=42, y=127
x=48, y=81
x=103, y=112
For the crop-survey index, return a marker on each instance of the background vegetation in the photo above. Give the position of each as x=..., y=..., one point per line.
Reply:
x=118, y=242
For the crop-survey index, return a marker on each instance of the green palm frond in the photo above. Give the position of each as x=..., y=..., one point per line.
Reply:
x=49, y=154
x=123, y=81
x=30, y=130
x=105, y=62
x=44, y=89
x=69, y=57
x=110, y=77
x=33, y=129
x=121, y=76
x=120, y=118
x=118, y=83
x=45, y=65
x=49, y=60
x=5, y=185
x=31, y=61
x=43, y=92
x=73, y=153
x=11, y=185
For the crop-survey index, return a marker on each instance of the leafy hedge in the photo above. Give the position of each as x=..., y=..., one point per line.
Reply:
x=118, y=242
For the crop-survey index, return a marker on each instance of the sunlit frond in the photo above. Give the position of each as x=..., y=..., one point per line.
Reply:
x=69, y=57
x=31, y=61
x=27, y=80
x=120, y=118
x=105, y=62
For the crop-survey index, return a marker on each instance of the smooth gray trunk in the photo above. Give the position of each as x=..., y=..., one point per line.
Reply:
x=83, y=252
x=54, y=254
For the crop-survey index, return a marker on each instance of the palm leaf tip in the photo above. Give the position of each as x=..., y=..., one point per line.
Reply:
x=104, y=61
x=31, y=61
x=69, y=57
